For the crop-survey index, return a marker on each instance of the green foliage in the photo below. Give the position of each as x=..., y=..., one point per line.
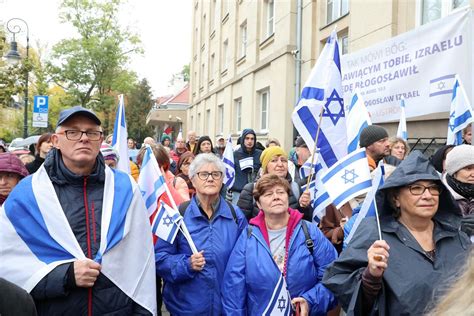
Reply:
x=185, y=72
x=139, y=104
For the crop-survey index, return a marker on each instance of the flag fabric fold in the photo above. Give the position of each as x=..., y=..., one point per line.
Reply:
x=460, y=115
x=36, y=236
x=280, y=302
x=151, y=182
x=119, y=140
x=166, y=223
x=348, y=178
x=228, y=160
x=322, y=94
x=357, y=119
x=402, y=125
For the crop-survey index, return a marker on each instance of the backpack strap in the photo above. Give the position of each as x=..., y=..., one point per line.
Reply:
x=309, y=242
x=249, y=231
x=234, y=215
x=183, y=206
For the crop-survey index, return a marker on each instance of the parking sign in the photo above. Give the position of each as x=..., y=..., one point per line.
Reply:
x=40, y=111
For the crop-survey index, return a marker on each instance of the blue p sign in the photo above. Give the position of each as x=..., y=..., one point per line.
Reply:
x=40, y=104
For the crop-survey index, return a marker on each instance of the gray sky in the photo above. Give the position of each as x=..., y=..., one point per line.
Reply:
x=164, y=27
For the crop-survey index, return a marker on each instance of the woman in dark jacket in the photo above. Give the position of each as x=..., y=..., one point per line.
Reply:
x=422, y=247
x=43, y=146
x=274, y=161
x=204, y=145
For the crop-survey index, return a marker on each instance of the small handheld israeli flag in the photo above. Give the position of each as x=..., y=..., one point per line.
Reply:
x=357, y=119
x=119, y=140
x=348, y=178
x=280, y=302
x=166, y=223
x=228, y=160
x=460, y=115
x=402, y=125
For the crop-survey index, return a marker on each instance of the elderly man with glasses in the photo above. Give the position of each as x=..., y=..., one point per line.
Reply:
x=72, y=232
x=192, y=282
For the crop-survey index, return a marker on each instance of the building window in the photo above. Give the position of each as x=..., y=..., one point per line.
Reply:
x=203, y=30
x=198, y=123
x=208, y=121
x=213, y=15
x=212, y=66
x=220, y=119
x=225, y=8
x=344, y=44
x=238, y=114
x=264, y=104
x=335, y=9
x=192, y=122
x=243, y=39
x=432, y=10
x=225, y=50
x=270, y=17
x=201, y=76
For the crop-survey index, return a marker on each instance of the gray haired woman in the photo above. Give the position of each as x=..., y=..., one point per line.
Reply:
x=192, y=282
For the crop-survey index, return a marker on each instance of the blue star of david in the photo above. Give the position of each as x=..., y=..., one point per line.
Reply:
x=339, y=111
x=441, y=85
x=281, y=303
x=349, y=176
x=451, y=122
x=143, y=192
x=167, y=220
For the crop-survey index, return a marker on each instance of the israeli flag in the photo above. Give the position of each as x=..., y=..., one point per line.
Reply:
x=357, y=119
x=36, y=236
x=151, y=182
x=319, y=197
x=369, y=205
x=461, y=114
x=166, y=223
x=323, y=91
x=119, y=141
x=402, y=125
x=348, y=178
x=228, y=160
x=280, y=302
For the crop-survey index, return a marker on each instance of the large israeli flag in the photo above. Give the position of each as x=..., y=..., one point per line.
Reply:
x=460, y=115
x=402, y=125
x=151, y=182
x=357, y=119
x=369, y=205
x=280, y=302
x=119, y=141
x=323, y=91
x=36, y=236
x=228, y=160
x=166, y=223
x=348, y=178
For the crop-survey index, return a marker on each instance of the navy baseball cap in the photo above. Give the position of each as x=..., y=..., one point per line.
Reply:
x=66, y=114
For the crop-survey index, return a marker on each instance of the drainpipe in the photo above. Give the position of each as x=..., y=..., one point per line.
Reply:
x=299, y=18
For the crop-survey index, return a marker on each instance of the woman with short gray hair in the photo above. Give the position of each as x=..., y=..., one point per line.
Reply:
x=193, y=281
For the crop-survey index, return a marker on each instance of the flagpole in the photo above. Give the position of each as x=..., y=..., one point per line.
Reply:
x=314, y=148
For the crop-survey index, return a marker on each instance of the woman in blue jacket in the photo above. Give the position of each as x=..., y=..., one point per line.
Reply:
x=279, y=258
x=192, y=282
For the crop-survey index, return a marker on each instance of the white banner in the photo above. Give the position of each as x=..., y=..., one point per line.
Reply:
x=418, y=65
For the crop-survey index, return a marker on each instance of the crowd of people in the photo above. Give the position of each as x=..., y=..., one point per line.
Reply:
x=75, y=233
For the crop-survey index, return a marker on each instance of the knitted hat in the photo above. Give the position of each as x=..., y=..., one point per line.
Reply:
x=372, y=134
x=165, y=137
x=459, y=157
x=268, y=154
x=109, y=152
x=11, y=163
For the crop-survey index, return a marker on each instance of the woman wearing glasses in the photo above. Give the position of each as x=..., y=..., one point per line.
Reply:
x=192, y=282
x=421, y=249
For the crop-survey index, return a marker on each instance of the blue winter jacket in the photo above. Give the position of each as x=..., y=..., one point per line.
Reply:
x=185, y=291
x=251, y=273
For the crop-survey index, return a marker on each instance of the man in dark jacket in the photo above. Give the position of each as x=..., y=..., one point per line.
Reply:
x=246, y=161
x=90, y=205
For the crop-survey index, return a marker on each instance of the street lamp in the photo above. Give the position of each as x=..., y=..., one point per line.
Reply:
x=13, y=57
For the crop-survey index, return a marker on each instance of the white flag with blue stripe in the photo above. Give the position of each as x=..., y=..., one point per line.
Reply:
x=461, y=114
x=369, y=205
x=357, y=119
x=402, y=125
x=119, y=140
x=228, y=160
x=36, y=236
x=348, y=178
x=323, y=90
x=166, y=223
x=151, y=182
x=280, y=302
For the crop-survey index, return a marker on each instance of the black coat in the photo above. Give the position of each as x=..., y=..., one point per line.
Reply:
x=15, y=301
x=33, y=166
x=57, y=293
x=412, y=280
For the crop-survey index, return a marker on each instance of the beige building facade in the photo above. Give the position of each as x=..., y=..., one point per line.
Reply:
x=251, y=58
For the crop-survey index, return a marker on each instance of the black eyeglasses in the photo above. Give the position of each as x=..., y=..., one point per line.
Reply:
x=418, y=189
x=73, y=134
x=204, y=175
